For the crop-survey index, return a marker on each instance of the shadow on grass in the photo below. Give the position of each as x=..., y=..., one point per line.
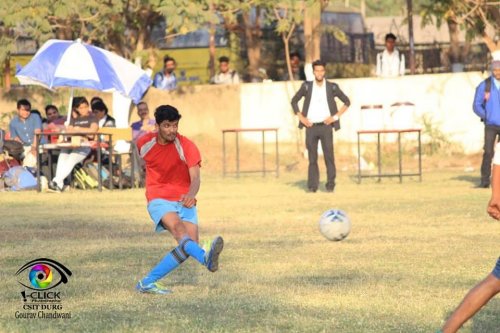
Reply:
x=487, y=318
x=220, y=312
x=300, y=184
x=334, y=280
x=68, y=229
x=355, y=279
x=466, y=178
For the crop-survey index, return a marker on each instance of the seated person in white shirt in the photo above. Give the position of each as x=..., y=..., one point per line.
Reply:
x=390, y=63
x=100, y=111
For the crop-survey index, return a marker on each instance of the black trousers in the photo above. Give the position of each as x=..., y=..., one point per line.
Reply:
x=324, y=134
x=490, y=139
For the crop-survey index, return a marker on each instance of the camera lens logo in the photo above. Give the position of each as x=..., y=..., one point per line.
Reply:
x=41, y=274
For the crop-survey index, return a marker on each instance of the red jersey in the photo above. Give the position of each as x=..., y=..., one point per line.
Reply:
x=167, y=175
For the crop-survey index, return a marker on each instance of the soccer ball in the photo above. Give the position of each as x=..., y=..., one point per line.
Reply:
x=334, y=224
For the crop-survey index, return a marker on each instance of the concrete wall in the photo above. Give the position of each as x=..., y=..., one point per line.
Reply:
x=446, y=98
x=207, y=109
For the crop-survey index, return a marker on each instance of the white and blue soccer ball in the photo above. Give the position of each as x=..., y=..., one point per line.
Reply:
x=334, y=224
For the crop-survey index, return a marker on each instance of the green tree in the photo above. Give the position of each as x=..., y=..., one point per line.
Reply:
x=122, y=26
x=469, y=15
x=288, y=14
x=185, y=16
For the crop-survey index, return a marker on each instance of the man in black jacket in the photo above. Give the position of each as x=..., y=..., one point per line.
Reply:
x=320, y=116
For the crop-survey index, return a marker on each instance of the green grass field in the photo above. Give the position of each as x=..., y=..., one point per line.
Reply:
x=413, y=252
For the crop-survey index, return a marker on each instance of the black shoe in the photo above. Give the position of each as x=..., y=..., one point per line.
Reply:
x=330, y=188
x=54, y=187
x=311, y=190
x=483, y=185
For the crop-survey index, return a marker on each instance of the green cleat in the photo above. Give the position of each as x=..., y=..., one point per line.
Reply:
x=152, y=288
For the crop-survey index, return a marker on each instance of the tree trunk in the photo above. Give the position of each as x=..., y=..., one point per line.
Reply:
x=312, y=32
x=287, y=56
x=7, y=74
x=211, y=51
x=454, y=53
x=253, y=43
x=141, y=39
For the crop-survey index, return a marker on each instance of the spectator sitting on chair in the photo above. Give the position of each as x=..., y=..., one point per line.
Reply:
x=85, y=122
x=390, y=63
x=225, y=75
x=145, y=124
x=36, y=112
x=53, y=116
x=24, y=126
x=100, y=111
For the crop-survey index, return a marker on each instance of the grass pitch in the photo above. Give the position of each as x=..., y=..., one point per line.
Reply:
x=413, y=252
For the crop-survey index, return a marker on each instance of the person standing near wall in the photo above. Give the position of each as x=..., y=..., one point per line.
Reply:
x=390, y=63
x=166, y=79
x=320, y=116
x=487, y=106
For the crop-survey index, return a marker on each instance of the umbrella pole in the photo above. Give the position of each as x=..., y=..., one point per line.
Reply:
x=68, y=117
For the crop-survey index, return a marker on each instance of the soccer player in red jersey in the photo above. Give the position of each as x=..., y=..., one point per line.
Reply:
x=172, y=183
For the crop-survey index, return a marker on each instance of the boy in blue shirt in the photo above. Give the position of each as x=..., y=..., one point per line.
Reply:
x=487, y=107
x=24, y=126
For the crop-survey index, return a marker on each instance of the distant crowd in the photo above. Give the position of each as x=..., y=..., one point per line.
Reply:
x=18, y=143
x=390, y=63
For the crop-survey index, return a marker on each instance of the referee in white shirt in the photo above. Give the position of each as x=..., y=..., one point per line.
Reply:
x=320, y=115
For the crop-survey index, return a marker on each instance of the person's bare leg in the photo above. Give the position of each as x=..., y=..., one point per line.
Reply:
x=172, y=222
x=186, y=234
x=192, y=230
x=475, y=299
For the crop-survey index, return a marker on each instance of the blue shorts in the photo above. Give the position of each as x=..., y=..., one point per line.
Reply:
x=496, y=270
x=157, y=208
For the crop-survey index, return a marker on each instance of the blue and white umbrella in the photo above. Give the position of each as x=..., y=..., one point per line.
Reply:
x=62, y=63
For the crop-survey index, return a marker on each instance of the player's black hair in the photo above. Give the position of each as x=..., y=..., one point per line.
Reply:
x=166, y=112
x=390, y=35
x=295, y=54
x=318, y=63
x=224, y=59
